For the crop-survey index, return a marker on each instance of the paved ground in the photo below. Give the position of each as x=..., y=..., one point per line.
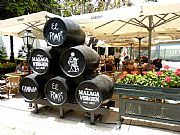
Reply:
x=17, y=119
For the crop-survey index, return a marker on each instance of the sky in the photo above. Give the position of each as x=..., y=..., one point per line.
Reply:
x=138, y=2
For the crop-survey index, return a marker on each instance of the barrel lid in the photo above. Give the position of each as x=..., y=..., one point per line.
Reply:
x=56, y=91
x=88, y=95
x=29, y=88
x=39, y=61
x=72, y=62
x=55, y=31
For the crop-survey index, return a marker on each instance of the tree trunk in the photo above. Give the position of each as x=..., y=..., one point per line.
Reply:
x=12, y=49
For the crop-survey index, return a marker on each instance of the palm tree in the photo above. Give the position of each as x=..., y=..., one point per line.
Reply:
x=22, y=53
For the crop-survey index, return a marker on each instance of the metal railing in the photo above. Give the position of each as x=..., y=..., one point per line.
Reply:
x=165, y=54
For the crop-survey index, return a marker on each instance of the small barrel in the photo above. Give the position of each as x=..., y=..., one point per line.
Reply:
x=78, y=60
x=62, y=32
x=56, y=90
x=32, y=87
x=91, y=94
x=45, y=60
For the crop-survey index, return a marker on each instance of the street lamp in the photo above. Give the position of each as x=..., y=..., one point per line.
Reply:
x=28, y=39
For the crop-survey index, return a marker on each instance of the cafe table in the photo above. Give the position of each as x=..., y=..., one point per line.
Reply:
x=22, y=74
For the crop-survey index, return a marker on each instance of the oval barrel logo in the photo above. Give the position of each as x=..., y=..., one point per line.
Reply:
x=56, y=92
x=72, y=62
x=39, y=61
x=88, y=96
x=54, y=31
x=29, y=89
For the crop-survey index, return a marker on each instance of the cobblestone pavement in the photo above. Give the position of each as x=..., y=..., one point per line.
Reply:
x=17, y=119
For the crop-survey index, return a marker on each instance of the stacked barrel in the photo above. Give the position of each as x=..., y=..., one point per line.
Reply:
x=64, y=71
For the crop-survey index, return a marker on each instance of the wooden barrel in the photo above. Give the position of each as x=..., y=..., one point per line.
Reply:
x=56, y=90
x=78, y=60
x=91, y=94
x=62, y=32
x=32, y=87
x=45, y=60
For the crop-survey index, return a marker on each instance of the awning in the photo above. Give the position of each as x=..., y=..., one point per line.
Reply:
x=164, y=19
x=18, y=25
x=154, y=19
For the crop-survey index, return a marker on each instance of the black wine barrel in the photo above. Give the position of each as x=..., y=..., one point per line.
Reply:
x=58, y=32
x=45, y=60
x=91, y=94
x=56, y=90
x=78, y=60
x=32, y=87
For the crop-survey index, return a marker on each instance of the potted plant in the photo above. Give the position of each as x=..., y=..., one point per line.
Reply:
x=167, y=81
x=7, y=67
x=151, y=95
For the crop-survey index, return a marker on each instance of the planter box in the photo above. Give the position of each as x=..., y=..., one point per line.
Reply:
x=131, y=105
x=147, y=91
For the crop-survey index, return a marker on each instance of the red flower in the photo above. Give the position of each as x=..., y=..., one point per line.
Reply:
x=134, y=72
x=166, y=67
x=125, y=73
x=177, y=73
x=159, y=73
x=122, y=77
x=144, y=72
x=177, y=70
x=152, y=66
x=168, y=79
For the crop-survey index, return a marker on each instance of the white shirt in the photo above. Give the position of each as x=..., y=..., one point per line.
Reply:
x=117, y=55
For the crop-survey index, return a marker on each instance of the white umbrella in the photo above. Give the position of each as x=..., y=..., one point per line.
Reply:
x=154, y=19
x=161, y=15
x=18, y=25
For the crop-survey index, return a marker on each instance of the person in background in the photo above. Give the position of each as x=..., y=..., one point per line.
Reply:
x=19, y=67
x=24, y=66
x=117, y=56
x=158, y=64
x=126, y=58
x=108, y=66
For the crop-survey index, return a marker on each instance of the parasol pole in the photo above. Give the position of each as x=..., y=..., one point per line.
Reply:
x=131, y=44
x=150, y=28
x=139, y=39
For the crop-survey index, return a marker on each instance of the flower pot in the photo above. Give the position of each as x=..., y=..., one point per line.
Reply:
x=149, y=108
x=147, y=91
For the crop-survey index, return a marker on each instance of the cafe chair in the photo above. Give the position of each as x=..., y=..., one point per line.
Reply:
x=12, y=85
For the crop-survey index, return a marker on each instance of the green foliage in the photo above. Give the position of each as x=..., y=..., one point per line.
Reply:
x=21, y=7
x=13, y=8
x=3, y=54
x=7, y=65
x=22, y=53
